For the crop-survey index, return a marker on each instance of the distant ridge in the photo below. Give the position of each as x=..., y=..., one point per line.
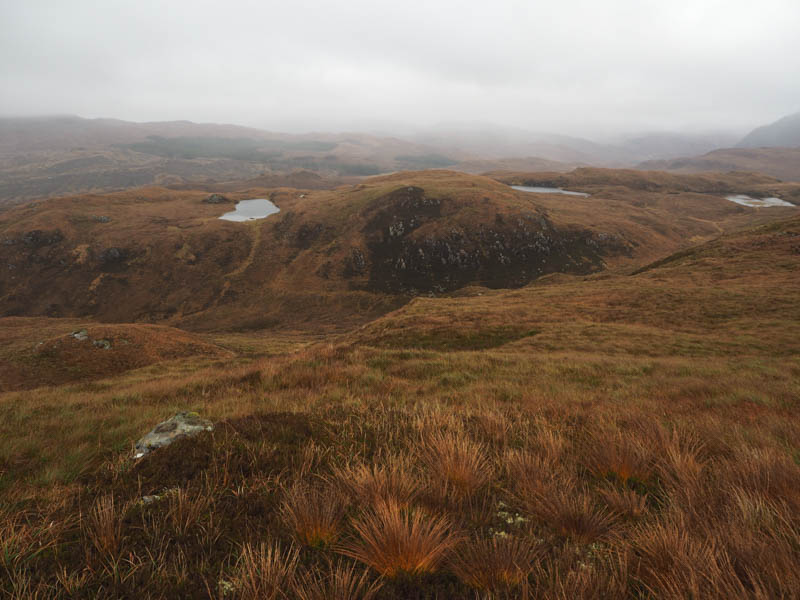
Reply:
x=783, y=163
x=783, y=133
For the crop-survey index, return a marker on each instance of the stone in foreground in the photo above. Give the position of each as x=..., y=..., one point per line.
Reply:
x=182, y=425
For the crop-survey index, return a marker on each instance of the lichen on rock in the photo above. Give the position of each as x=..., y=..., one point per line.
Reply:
x=182, y=425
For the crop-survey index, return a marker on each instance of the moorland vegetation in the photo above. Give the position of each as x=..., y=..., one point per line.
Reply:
x=624, y=431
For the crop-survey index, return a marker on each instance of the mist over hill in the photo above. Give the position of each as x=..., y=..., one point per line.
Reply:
x=57, y=155
x=51, y=156
x=783, y=163
x=784, y=133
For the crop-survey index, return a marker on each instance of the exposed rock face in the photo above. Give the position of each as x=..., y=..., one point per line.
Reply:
x=356, y=263
x=217, y=199
x=36, y=239
x=511, y=251
x=181, y=425
x=112, y=255
x=113, y=259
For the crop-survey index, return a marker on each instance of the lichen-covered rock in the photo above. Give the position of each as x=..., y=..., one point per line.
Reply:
x=181, y=425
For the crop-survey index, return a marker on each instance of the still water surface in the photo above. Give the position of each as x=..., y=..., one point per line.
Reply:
x=249, y=210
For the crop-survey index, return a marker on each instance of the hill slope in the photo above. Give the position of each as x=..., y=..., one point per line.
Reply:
x=52, y=156
x=333, y=256
x=155, y=254
x=611, y=435
x=783, y=133
x=783, y=163
x=38, y=352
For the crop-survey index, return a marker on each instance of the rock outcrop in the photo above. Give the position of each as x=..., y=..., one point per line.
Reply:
x=217, y=199
x=182, y=425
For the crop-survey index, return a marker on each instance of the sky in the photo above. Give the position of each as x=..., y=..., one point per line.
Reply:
x=576, y=67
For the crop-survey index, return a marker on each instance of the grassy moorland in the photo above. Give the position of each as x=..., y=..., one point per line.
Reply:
x=601, y=436
x=346, y=256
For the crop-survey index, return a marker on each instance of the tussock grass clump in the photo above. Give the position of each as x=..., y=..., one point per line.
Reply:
x=265, y=572
x=337, y=582
x=314, y=514
x=495, y=564
x=495, y=427
x=548, y=442
x=617, y=456
x=575, y=576
x=624, y=503
x=573, y=513
x=459, y=466
x=186, y=510
x=104, y=527
x=531, y=474
x=673, y=563
x=681, y=469
x=768, y=472
x=391, y=479
x=395, y=541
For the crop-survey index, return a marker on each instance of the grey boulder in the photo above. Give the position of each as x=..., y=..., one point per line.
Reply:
x=182, y=425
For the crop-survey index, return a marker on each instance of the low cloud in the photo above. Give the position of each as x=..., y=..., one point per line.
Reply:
x=574, y=66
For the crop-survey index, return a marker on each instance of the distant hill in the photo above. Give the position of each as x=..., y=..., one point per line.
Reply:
x=487, y=141
x=528, y=164
x=783, y=163
x=60, y=155
x=653, y=146
x=783, y=133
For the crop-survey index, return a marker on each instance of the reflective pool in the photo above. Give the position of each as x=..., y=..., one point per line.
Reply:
x=548, y=190
x=249, y=210
x=756, y=202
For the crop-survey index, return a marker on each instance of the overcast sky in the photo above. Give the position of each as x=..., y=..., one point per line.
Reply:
x=581, y=67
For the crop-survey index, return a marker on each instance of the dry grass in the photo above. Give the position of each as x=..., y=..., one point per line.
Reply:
x=391, y=480
x=458, y=466
x=313, y=513
x=646, y=443
x=395, y=541
x=186, y=510
x=337, y=582
x=265, y=572
x=496, y=564
x=104, y=527
x=530, y=474
x=618, y=457
x=573, y=513
x=624, y=503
